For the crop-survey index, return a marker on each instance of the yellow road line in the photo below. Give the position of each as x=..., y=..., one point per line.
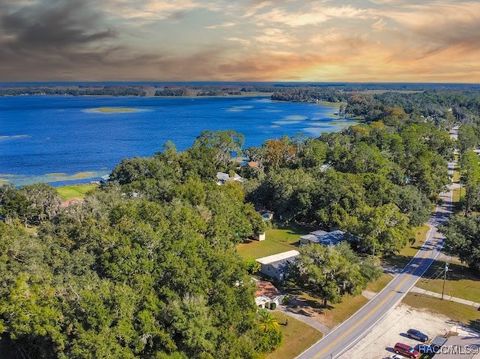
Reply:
x=387, y=297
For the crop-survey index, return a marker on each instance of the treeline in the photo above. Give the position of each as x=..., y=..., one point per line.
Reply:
x=309, y=95
x=75, y=91
x=203, y=91
x=444, y=107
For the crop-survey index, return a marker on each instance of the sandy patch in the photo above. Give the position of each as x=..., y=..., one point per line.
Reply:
x=378, y=343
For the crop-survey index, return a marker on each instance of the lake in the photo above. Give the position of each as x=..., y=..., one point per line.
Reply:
x=62, y=140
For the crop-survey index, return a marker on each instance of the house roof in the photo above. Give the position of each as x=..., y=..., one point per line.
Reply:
x=266, y=289
x=326, y=238
x=223, y=176
x=278, y=257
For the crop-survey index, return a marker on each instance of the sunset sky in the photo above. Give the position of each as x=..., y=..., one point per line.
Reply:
x=226, y=40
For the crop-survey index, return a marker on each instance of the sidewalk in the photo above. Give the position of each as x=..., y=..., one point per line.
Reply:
x=446, y=297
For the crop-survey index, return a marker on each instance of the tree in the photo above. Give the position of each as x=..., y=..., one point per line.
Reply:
x=381, y=230
x=279, y=153
x=462, y=239
x=223, y=144
x=414, y=204
x=314, y=153
x=31, y=204
x=269, y=329
x=470, y=178
x=468, y=137
x=288, y=191
x=328, y=273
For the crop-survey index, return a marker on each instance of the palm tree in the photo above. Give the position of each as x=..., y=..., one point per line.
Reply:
x=266, y=321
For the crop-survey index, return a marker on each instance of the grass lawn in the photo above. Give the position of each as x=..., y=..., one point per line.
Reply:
x=297, y=337
x=461, y=281
x=380, y=283
x=334, y=314
x=456, y=176
x=456, y=311
x=458, y=194
x=277, y=241
x=75, y=191
x=342, y=311
x=401, y=259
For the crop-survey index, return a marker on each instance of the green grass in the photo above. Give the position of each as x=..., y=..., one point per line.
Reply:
x=297, y=337
x=458, y=194
x=456, y=177
x=340, y=312
x=401, y=259
x=277, y=241
x=456, y=311
x=380, y=283
x=75, y=191
x=334, y=314
x=461, y=281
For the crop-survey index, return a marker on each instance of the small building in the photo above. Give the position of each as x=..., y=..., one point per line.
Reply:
x=459, y=347
x=275, y=266
x=323, y=237
x=266, y=294
x=260, y=236
x=223, y=178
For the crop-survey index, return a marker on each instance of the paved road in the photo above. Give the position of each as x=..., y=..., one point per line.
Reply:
x=357, y=326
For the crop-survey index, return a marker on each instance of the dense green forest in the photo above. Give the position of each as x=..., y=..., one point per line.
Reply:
x=147, y=266
x=123, y=275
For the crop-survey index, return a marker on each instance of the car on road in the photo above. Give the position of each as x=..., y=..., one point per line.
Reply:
x=406, y=350
x=417, y=335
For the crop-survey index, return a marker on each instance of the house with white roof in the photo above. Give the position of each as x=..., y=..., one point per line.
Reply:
x=275, y=266
x=223, y=178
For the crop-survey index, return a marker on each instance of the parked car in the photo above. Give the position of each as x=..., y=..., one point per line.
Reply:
x=417, y=335
x=406, y=350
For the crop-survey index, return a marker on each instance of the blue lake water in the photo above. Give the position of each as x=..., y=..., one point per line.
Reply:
x=65, y=139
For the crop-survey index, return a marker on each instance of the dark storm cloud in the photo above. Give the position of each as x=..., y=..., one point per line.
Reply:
x=51, y=37
x=56, y=24
x=52, y=24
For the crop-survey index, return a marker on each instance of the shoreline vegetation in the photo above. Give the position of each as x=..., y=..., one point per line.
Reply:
x=283, y=91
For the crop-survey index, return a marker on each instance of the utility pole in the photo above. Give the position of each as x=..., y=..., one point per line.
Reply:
x=444, y=278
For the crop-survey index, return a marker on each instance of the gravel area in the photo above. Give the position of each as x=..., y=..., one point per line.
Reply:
x=379, y=342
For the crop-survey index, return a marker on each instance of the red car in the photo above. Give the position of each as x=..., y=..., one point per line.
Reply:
x=406, y=350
